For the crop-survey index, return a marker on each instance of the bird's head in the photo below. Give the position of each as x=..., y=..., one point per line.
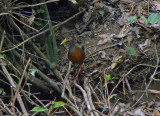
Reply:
x=66, y=40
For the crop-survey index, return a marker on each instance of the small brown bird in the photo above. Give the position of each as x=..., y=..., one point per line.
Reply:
x=75, y=54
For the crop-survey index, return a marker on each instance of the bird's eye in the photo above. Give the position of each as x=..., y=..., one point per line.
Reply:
x=69, y=39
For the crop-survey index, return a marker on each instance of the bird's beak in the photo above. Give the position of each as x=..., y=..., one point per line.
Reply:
x=64, y=41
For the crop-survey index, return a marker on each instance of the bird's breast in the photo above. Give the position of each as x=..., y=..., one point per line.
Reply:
x=76, y=56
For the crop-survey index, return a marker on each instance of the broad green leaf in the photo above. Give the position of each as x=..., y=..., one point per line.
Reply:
x=113, y=95
x=58, y=104
x=153, y=18
x=39, y=109
x=108, y=77
x=144, y=19
x=132, y=51
x=132, y=19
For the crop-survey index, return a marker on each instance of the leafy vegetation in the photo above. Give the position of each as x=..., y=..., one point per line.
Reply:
x=154, y=18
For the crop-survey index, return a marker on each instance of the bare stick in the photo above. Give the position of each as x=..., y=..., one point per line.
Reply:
x=86, y=86
x=2, y=40
x=85, y=97
x=152, y=76
x=9, y=78
x=19, y=86
x=33, y=5
x=23, y=23
x=6, y=108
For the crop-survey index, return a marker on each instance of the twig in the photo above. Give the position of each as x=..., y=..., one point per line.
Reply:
x=2, y=40
x=85, y=97
x=84, y=26
x=23, y=23
x=111, y=111
x=31, y=101
x=128, y=74
x=6, y=108
x=13, y=84
x=40, y=33
x=19, y=86
x=67, y=110
x=152, y=76
x=66, y=79
x=101, y=114
x=128, y=85
x=33, y=5
x=86, y=87
x=4, y=13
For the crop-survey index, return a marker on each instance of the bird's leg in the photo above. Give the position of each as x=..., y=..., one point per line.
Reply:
x=79, y=71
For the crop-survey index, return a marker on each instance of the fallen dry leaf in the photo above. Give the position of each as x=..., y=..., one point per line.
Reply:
x=157, y=5
x=102, y=54
x=99, y=5
x=139, y=111
x=94, y=72
x=106, y=38
x=130, y=39
x=156, y=113
x=31, y=19
x=124, y=19
x=87, y=15
x=73, y=1
x=116, y=60
x=145, y=47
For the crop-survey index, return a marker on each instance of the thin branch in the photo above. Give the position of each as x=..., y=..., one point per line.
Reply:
x=85, y=98
x=23, y=23
x=40, y=33
x=152, y=76
x=19, y=86
x=88, y=90
x=13, y=84
x=34, y=5
x=128, y=74
x=2, y=40
x=6, y=108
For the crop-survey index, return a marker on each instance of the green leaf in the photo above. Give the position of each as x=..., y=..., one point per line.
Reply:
x=39, y=109
x=159, y=22
x=13, y=75
x=1, y=91
x=101, y=12
x=108, y=77
x=131, y=51
x=153, y=18
x=3, y=56
x=58, y=104
x=115, y=78
x=38, y=23
x=113, y=95
x=40, y=11
x=144, y=19
x=32, y=71
x=28, y=84
x=132, y=19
